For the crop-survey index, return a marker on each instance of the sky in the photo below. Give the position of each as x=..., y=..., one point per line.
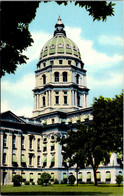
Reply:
x=101, y=45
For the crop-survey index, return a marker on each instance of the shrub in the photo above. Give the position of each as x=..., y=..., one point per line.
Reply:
x=81, y=182
x=45, y=177
x=64, y=181
x=40, y=181
x=102, y=183
x=17, y=180
x=71, y=179
x=33, y=183
x=119, y=179
x=27, y=183
x=56, y=181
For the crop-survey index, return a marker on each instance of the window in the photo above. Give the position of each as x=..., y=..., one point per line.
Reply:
x=69, y=62
x=52, y=147
x=56, y=99
x=22, y=142
x=65, y=99
x=13, y=142
x=51, y=63
x=4, y=140
x=44, y=79
x=30, y=143
x=38, y=144
x=65, y=78
x=53, y=120
x=78, y=99
x=4, y=158
x=77, y=78
x=44, y=148
x=38, y=161
x=43, y=99
x=30, y=159
x=44, y=64
x=57, y=92
x=56, y=76
x=60, y=61
x=76, y=64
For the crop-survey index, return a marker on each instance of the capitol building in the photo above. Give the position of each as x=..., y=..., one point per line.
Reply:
x=28, y=145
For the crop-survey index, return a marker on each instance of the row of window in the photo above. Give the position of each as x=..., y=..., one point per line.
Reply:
x=30, y=142
x=61, y=62
x=24, y=162
x=57, y=101
x=57, y=77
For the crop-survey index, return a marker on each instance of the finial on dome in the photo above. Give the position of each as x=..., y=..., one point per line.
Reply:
x=59, y=27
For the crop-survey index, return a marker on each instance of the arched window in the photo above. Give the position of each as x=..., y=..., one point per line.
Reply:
x=77, y=78
x=44, y=79
x=43, y=99
x=56, y=76
x=65, y=76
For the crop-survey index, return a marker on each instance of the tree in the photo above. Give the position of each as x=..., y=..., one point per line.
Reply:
x=17, y=180
x=99, y=10
x=15, y=35
x=119, y=179
x=45, y=177
x=94, y=141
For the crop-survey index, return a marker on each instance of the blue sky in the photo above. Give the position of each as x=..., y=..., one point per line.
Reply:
x=100, y=43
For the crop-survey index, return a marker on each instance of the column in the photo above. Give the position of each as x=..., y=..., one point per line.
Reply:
x=40, y=100
x=75, y=98
x=83, y=100
x=35, y=102
x=51, y=97
x=18, y=151
x=10, y=149
x=47, y=97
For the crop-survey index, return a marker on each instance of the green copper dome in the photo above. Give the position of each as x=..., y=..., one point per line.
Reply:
x=60, y=45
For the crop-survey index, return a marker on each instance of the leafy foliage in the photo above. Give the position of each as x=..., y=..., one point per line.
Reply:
x=40, y=181
x=99, y=10
x=15, y=35
x=45, y=177
x=17, y=180
x=56, y=181
x=27, y=183
x=119, y=179
x=93, y=143
x=71, y=179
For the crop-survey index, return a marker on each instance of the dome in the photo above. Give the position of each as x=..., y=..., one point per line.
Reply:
x=60, y=45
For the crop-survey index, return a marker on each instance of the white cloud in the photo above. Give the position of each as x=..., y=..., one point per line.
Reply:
x=40, y=38
x=115, y=79
x=110, y=40
x=4, y=106
x=22, y=87
x=92, y=58
x=22, y=111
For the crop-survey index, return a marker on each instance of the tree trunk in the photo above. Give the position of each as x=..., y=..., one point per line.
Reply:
x=95, y=176
x=77, y=176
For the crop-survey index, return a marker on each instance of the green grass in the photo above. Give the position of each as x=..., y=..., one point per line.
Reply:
x=60, y=189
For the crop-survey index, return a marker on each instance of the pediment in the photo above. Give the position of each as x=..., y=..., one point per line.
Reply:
x=9, y=116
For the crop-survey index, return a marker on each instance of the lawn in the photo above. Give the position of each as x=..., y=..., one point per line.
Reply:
x=60, y=189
